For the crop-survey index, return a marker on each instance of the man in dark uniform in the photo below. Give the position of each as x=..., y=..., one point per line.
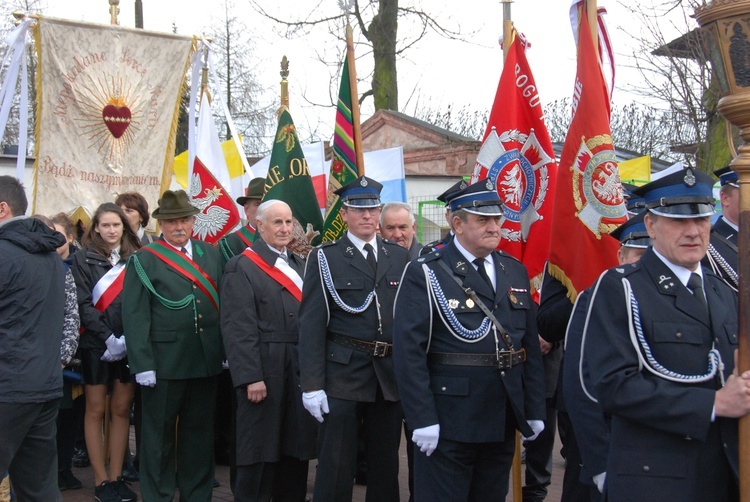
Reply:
x=722, y=250
x=260, y=294
x=468, y=381
x=660, y=345
x=445, y=198
x=170, y=310
x=590, y=428
x=345, y=350
x=236, y=242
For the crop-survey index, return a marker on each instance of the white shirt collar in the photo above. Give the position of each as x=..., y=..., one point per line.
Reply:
x=188, y=247
x=489, y=263
x=360, y=244
x=284, y=252
x=682, y=273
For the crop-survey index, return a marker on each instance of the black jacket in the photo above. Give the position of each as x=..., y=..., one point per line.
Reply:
x=32, y=304
x=88, y=267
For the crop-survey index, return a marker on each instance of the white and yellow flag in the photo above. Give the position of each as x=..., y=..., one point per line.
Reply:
x=108, y=106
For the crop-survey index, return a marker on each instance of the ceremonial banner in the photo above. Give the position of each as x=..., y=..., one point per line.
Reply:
x=588, y=198
x=107, y=107
x=517, y=155
x=210, y=177
x=288, y=176
x=344, y=164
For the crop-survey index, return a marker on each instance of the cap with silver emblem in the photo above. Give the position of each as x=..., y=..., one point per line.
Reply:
x=363, y=192
x=479, y=198
x=683, y=194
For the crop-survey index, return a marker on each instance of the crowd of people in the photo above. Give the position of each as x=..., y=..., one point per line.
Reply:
x=334, y=355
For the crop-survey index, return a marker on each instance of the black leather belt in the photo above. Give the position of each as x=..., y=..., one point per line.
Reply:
x=503, y=360
x=375, y=349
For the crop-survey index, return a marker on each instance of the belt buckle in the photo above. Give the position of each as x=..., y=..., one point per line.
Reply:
x=379, y=349
x=504, y=359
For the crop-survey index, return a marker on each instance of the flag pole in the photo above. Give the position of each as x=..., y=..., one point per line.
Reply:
x=516, y=465
x=114, y=10
x=355, y=101
x=284, y=85
x=593, y=17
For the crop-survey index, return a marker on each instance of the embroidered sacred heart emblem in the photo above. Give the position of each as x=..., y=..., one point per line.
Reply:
x=116, y=118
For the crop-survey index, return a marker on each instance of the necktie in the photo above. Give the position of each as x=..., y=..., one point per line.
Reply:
x=371, y=256
x=114, y=257
x=184, y=250
x=695, y=284
x=284, y=257
x=479, y=262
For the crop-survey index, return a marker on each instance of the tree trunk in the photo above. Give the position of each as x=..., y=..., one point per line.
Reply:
x=383, y=34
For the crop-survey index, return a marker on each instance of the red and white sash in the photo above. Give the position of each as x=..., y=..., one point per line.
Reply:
x=108, y=287
x=286, y=276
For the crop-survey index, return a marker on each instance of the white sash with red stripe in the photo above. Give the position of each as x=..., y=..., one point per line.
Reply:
x=108, y=287
x=285, y=276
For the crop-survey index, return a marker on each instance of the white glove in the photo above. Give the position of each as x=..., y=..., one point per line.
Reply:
x=316, y=403
x=116, y=347
x=426, y=438
x=599, y=481
x=107, y=357
x=146, y=378
x=537, y=426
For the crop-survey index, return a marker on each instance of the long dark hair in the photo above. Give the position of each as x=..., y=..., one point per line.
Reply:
x=129, y=243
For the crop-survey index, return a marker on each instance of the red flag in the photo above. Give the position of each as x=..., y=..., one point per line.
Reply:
x=588, y=199
x=517, y=155
x=219, y=214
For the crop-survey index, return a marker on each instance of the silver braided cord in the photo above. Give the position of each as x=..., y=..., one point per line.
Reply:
x=452, y=322
x=719, y=264
x=328, y=281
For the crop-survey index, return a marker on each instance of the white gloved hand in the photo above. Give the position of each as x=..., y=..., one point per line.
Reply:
x=146, y=378
x=316, y=403
x=426, y=438
x=599, y=481
x=107, y=357
x=537, y=426
x=116, y=347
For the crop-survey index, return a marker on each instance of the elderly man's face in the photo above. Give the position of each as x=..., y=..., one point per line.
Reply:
x=275, y=228
x=479, y=234
x=397, y=227
x=177, y=231
x=682, y=241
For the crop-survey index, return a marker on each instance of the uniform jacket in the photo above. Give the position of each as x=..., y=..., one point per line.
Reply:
x=343, y=372
x=172, y=342
x=88, y=267
x=724, y=242
x=32, y=303
x=658, y=427
x=415, y=249
x=589, y=424
x=259, y=324
x=231, y=245
x=469, y=403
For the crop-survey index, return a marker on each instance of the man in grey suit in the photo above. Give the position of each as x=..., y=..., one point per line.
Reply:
x=345, y=350
x=397, y=224
x=260, y=295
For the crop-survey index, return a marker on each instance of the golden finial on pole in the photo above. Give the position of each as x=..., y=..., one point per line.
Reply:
x=114, y=11
x=284, y=86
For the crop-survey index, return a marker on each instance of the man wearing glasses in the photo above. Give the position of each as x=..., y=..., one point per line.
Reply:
x=345, y=347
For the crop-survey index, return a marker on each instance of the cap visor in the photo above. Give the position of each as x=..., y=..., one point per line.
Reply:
x=363, y=203
x=684, y=210
x=489, y=210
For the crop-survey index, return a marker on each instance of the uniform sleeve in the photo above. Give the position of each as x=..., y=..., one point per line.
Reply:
x=92, y=320
x=136, y=318
x=554, y=309
x=72, y=323
x=624, y=389
x=239, y=324
x=412, y=325
x=313, y=318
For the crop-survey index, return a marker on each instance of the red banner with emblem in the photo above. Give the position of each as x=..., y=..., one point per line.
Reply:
x=517, y=155
x=210, y=176
x=588, y=199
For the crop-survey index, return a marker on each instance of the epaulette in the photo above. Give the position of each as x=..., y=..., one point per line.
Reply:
x=507, y=255
x=429, y=257
x=326, y=244
x=391, y=243
x=626, y=269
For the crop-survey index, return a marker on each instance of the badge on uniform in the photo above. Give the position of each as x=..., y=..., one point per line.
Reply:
x=453, y=303
x=393, y=283
x=470, y=303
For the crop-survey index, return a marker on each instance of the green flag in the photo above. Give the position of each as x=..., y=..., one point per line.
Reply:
x=344, y=164
x=289, y=178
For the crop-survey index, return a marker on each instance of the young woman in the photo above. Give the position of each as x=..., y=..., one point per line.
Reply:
x=98, y=269
x=135, y=207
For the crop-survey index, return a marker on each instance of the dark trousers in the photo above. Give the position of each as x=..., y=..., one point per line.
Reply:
x=538, y=474
x=574, y=490
x=28, y=451
x=337, y=449
x=68, y=420
x=460, y=472
x=282, y=481
x=186, y=462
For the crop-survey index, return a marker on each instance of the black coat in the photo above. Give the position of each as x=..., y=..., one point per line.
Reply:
x=659, y=427
x=343, y=372
x=724, y=244
x=469, y=403
x=88, y=267
x=260, y=328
